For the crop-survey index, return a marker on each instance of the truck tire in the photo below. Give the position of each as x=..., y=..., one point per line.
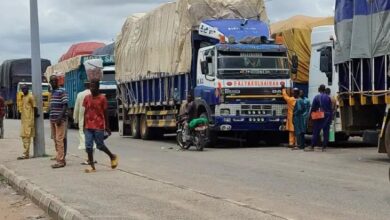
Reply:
x=340, y=136
x=387, y=138
x=145, y=132
x=211, y=135
x=135, y=127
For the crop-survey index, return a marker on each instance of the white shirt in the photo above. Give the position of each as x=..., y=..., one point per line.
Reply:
x=79, y=110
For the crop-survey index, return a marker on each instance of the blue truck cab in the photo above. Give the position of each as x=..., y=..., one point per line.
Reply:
x=236, y=76
x=239, y=81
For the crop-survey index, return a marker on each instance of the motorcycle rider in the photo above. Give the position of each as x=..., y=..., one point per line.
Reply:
x=190, y=108
x=190, y=113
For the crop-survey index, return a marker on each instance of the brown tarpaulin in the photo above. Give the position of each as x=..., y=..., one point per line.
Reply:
x=295, y=33
x=160, y=41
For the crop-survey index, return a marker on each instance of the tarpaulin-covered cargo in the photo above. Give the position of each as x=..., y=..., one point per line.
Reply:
x=362, y=29
x=295, y=34
x=106, y=50
x=75, y=63
x=362, y=48
x=85, y=48
x=14, y=71
x=10, y=70
x=160, y=41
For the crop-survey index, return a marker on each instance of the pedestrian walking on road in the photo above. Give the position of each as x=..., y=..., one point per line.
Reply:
x=28, y=112
x=78, y=117
x=299, y=121
x=96, y=124
x=290, y=113
x=58, y=120
x=321, y=114
x=2, y=114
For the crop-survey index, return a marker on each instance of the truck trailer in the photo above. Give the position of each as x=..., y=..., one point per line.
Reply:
x=75, y=77
x=12, y=74
x=228, y=62
x=357, y=62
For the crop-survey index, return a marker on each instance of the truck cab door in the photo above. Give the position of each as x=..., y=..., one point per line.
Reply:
x=206, y=70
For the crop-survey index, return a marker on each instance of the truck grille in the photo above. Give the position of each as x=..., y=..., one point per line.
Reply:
x=255, y=110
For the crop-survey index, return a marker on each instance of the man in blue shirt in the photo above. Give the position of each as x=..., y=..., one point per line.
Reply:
x=321, y=102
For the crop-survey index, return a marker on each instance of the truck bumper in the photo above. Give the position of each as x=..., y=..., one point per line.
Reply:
x=238, y=123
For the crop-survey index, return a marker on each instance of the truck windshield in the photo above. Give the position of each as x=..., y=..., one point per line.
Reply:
x=253, y=67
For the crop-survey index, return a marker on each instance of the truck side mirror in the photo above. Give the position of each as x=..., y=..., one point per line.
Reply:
x=326, y=64
x=326, y=60
x=204, y=67
x=294, y=64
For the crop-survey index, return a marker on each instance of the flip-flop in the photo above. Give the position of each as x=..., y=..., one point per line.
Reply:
x=57, y=165
x=22, y=158
x=90, y=170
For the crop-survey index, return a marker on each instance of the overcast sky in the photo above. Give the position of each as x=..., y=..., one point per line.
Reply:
x=64, y=22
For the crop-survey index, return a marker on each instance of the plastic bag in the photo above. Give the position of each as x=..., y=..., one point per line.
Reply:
x=60, y=78
x=197, y=121
x=94, y=69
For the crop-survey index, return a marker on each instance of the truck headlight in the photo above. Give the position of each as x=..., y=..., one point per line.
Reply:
x=225, y=111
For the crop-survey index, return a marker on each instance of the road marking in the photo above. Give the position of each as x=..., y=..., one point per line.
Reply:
x=231, y=201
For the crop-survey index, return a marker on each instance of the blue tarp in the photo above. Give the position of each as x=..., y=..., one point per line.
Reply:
x=251, y=47
x=240, y=29
x=106, y=50
x=362, y=29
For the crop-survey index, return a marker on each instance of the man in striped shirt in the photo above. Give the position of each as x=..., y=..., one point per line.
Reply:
x=58, y=118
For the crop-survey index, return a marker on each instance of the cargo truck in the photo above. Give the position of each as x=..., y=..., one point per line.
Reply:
x=236, y=83
x=75, y=76
x=357, y=62
x=16, y=72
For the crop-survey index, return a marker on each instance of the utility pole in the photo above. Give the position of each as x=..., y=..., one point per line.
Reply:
x=39, y=140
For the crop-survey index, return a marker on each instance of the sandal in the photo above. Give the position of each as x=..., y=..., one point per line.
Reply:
x=57, y=165
x=23, y=158
x=90, y=170
x=114, y=162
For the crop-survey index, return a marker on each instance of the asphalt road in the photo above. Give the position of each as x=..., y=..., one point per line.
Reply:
x=349, y=181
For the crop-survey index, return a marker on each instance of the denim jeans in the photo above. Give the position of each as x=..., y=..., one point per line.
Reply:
x=91, y=136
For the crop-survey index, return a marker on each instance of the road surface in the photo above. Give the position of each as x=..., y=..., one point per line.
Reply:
x=347, y=182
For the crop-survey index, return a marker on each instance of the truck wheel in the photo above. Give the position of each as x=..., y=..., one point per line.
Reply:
x=211, y=135
x=135, y=127
x=145, y=131
x=340, y=136
x=387, y=138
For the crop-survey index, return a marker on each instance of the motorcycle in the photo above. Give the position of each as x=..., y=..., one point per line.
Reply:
x=189, y=134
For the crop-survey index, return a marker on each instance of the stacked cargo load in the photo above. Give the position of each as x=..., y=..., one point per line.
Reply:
x=295, y=34
x=160, y=41
x=362, y=51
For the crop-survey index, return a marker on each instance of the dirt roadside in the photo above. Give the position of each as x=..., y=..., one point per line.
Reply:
x=14, y=206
